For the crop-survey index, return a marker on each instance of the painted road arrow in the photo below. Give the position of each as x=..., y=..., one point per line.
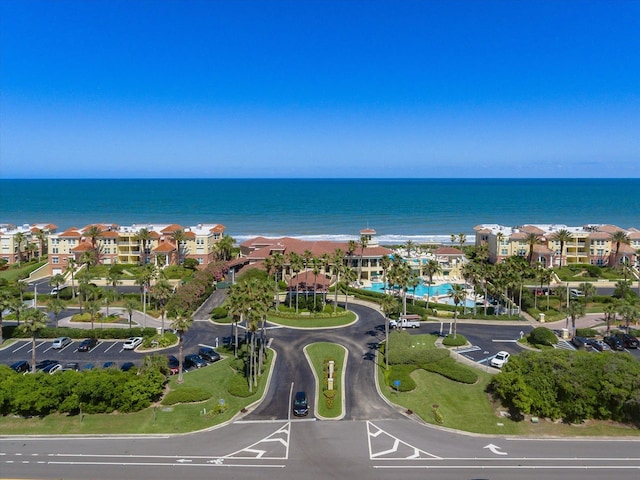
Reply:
x=495, y=449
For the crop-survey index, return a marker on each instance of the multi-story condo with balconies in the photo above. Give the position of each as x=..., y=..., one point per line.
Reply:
x=559, y=245
x=160, y=244
x=21, y=243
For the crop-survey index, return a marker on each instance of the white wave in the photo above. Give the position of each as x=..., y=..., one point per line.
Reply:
x=388, y=239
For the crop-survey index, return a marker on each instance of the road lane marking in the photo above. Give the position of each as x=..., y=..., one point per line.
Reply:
x=276, y=446
x=384, y=446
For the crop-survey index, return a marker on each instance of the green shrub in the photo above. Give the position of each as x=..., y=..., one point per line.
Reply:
x=452, y=370
x=76, y=333
x=238, y=386
x=587, y=332
x=219, y=312
x=186, y=395
x=542, y=336
x=458, y=341
x=403, y=374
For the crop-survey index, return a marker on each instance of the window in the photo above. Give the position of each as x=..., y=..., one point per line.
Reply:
x=55, y=260
x=54, y=250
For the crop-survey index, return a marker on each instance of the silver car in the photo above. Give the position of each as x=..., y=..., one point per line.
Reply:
x=61, y=342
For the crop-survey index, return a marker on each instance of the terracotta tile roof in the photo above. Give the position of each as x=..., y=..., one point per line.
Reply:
x=164, y=247
x=154, y=235
x=171, y=228
x=72, y=232
x=83, y=247
x=609, y=228
x=532, y=229
x=110, y=234
x=261, y=247
x=218, y=229
x=306, y=280
x=190, y=235
x=600, y=236
x=448, y=251
x=367, y=231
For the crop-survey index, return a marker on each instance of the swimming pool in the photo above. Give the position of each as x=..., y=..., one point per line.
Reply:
x=421, y=290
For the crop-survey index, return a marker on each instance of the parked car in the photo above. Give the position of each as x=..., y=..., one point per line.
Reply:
x=500, y=359
x=174, y=364
x=87, y=344
x=71, y=366
x=629, y=341
x=194, y=361
x=209, y=354
x=598, y=345
x=21, y=366
x=581, y=343
x=126, y=366
x=52, y=368
x=614, y=342
x=44, y=363
x=89, y=366
x=300, y=404
x=575, y=293
x=61, y=342
x=132, y=342
x=109, y=365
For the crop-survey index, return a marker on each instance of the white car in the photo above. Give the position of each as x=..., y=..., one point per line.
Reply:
x=132, y=342
x=61, y=342
x=500, y=359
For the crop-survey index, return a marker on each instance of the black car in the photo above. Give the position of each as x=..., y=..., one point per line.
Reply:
x=21, y=366
x=614, y=342
x=174, y=364
x=581, y=343
x=300, y=404
x=194, y=361
x=209, y=354
x=44, y=363
x=629, y=341
x=126, y=366
x=71, y=366
x=109, y=365
x=87, y=344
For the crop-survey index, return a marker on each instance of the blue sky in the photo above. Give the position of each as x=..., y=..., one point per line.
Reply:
x=110, y=89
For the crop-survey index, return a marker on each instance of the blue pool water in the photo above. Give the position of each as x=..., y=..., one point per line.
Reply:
x=421, y=290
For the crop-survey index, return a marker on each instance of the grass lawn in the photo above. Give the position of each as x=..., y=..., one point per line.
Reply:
x=310, y=321
x=11, y=274
x=469, y=408
x=318, y=352
x=179, y=418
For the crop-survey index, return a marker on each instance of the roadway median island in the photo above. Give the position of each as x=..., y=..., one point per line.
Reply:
x=328, y=362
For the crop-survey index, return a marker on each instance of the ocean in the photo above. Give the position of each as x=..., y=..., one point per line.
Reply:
x=422, y=210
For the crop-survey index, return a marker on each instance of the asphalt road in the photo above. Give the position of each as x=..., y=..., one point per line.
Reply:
x=373, y=441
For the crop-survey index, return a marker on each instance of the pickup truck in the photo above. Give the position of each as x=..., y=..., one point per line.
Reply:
x=405, y=323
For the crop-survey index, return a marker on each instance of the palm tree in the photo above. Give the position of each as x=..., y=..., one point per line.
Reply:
x=224, y=247
x=531, y=240
x=316, y=263
x=41, y=235
x=364, y=241
x=388, y=305
x=34, y=320
x=352, y=246
x=181, y=324
x=31, y=249
x=470, y=272
x=94, y=233
x=306, y=258
x=458, y=294
x=401, y=273
x=179, y=237
x=18, y=239
x=5, y=304
x=71, y=268
x=56, y=307
x=236, y=305
x=629, y=312
x=278, y=265
x=88, y=258
x=348, y=276
x=610, y=311
x=162, y=292
x=296, y=263
x=563, y=236
x=130, y=305
x=385, y=263
x=409, y=246
x=93, y=307
x=110, y=296
x=414, y=281
x=619, y=237
x=431, y=268
x=114, y=277
x=462, y=238
x=56, y=281
x=17, y=307
x=576, y=309
x=589, y=290
x=337, y=260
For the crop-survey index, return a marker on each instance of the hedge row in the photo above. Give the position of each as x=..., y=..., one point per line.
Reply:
x=452, y=370
x=77, y=333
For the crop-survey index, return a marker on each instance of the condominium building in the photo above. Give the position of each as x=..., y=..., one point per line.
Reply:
x=254, y=251
x=588, y=244
x=24, y=242
x=160, y=244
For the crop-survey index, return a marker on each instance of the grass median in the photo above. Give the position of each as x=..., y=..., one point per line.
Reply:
x=329, y=403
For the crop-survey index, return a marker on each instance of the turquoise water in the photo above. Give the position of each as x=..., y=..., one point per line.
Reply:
x=421, y=290
x=421, y=210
